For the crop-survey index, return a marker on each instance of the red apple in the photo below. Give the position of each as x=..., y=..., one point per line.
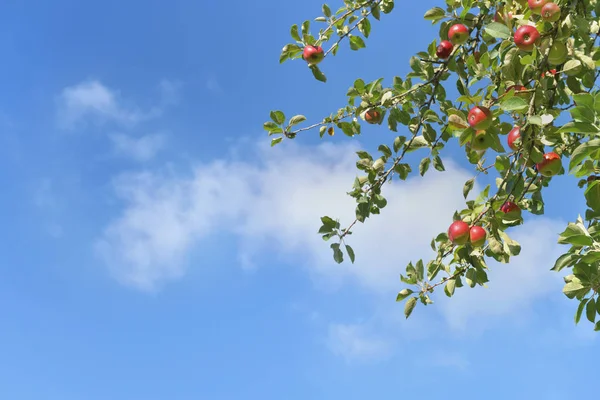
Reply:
x=477, y=236
x=458, y=34
x=511, y=211
x=551, y=72
x=458, y=233
x=313, y=54
x=526, y=37
x=536, y=5
x=550, y=164
x=513, y=135
x=550, y=12
x=373, y=116
x=480, y=117
x=444, y=49
x=518, y=89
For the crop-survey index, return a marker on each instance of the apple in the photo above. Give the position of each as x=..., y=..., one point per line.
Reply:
x=503, y=18
x=526, y=37
x=550, y=12
x=481, y=141
x=477, y=236
x=551, y=72
x=520, y=90
x=444, y=49
x=313, y=54
x=513, y=135
x=480, y=117
x=536, y=5
x=511, y=211
x=558, y=53
x=373, y=116
x=458, y=232
x=458, y=34
x=550, y=164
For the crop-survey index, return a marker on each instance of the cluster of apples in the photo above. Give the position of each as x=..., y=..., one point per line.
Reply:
x=457, y=34
x=461, y=233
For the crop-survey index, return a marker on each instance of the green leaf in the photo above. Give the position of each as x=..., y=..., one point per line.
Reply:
x=326, y=10
x=565, y=260
x=572, y=288
x=590, y=310
x=434, y=14
x=450, y=287
x=275, y=141
x=295, y=120
x=350, y=252
x=438, y=164
x=356, y=43
x=575, y=234
x=498, y=30
x=424, y=165
x=294, y=33
x=597, y=326
x=579, y=311
x=404, y=293
x=338, y=256
x=365, y=27
x=583, y=151
x=410, y=306
x=468, y=186
x=579, y=127
x=317, y=73
x=278, y=117
x=514, y=104
x=330, y=222
x=592, y=195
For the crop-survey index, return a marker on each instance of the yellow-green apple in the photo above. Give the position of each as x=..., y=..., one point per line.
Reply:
x=550, y=12
x=526, y=37
x=313, y=54
x=550, y=164
x=513, y=135
x=511, y=211
x=558, y=53
x=458, y=232
x=373, y=116
x=458, y=34
x=536, y=5
x=481, y=141
x=477, y=236
x=444, y=49
x=480, y=117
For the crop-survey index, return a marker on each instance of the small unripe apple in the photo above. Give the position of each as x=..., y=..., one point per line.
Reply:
x=444, y=50
x=558, y=53
x=481, y=141
x=373, y=116
x=313, y=54
x=477, y=236
x=458, y=34
x=550, y=164
x=536, y=5
x=526, y=37
x=480, y=118
x=511, y=211
x=550, y=12
x=513, y=135
x=458, y=233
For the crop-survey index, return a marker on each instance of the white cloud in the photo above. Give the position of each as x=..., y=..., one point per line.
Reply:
x=140, y=149
x=92, y=100
x=353, y=343
x=276, y=203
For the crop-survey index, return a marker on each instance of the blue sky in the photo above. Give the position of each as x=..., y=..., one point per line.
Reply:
x=155, y=248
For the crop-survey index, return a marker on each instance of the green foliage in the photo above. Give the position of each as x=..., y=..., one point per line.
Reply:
x=486, y=71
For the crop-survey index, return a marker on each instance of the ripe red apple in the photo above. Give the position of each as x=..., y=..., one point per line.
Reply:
x=313, y=54
x=550, y=12
x=558, y=53
x=444, y=49
x=373, y=116
x=477, y=236
x=526, y=37
x=513, y=135
x=480, y=117
x=550, y=164
x=511, y=211
x=536, y=5
x=551, y=72
x=481, y=141
x=458, y=233
x=458, y=34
